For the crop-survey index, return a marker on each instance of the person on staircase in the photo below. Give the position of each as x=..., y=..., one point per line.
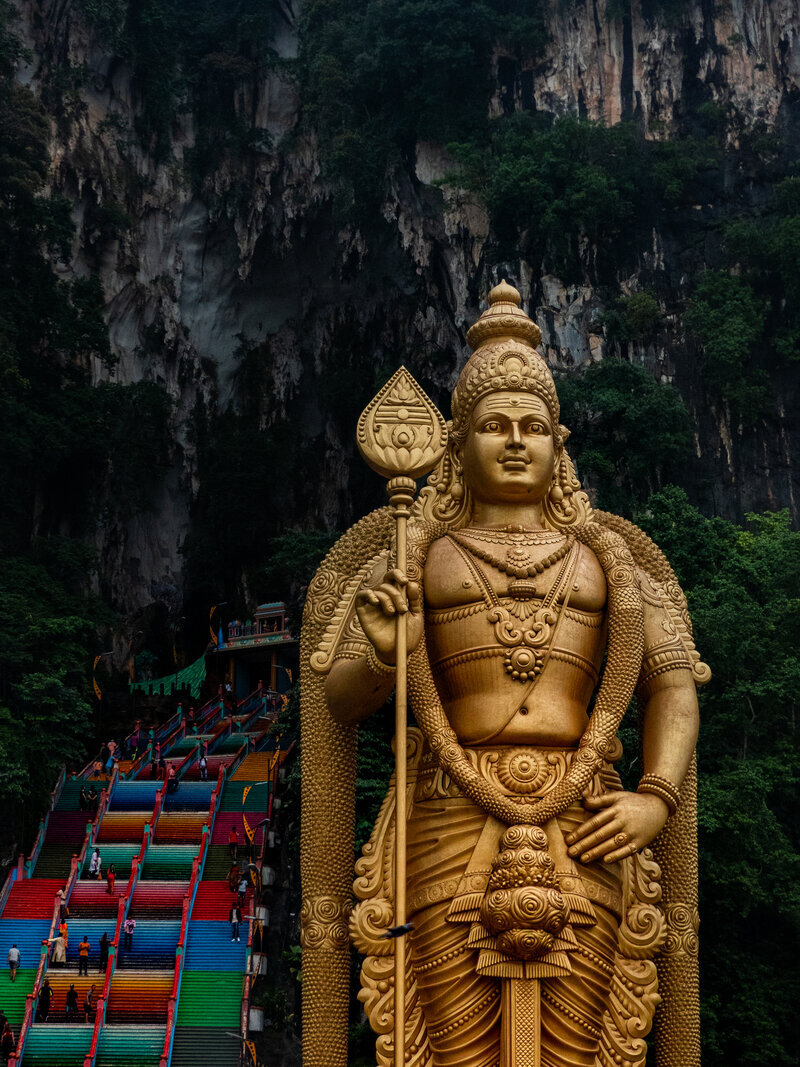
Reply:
x=172, y=779
x=63, y=910
x=7, y=1042
x=127, y=929
x=45, y=999
x=233, y=842
x=94, y=799
x=95, y=864
x=111, y=877
x=103, y=952
x=83, y=956
x=203, y=769
x=88, y=1003
x=14, y=961
x=72, y=1004
x=83, y=799
x=58, y=957
x=234, y=918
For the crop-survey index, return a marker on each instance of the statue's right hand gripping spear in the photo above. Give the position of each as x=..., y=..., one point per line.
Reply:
x=402, y=436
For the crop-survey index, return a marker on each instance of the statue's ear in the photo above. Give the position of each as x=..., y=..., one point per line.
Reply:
x=562, y=436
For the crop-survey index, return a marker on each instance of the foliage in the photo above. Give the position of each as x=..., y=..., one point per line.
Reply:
x=727, y=317
x=630, y=433
x=636, y=317
x=380, y=75
x=742, y=588
x=552, y=183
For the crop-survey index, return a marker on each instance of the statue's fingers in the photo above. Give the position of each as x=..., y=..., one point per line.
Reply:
x=601, y=835
x=604, y=848
x=621, y=853
x=415, y=597
x=397, y=577
x=589, y=825
x=395, y=596
x=366, y=596
x=603, y=801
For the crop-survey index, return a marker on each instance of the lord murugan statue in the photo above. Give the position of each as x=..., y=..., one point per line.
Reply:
x=549, y=916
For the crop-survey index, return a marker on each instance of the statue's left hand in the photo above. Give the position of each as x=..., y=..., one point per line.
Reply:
x=624, y=823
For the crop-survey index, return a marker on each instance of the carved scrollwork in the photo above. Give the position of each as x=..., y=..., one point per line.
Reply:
x=324, y=922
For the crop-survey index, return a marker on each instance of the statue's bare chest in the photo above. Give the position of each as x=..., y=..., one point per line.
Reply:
x=456, y=572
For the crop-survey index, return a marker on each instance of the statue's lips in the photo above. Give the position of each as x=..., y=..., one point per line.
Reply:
x=513, y=463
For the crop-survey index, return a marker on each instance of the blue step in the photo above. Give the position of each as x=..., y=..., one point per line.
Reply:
x=28, y=935
x=210, y=947
x=154, y=943
x=93, y=929
x=134, y=796
x=190, y=796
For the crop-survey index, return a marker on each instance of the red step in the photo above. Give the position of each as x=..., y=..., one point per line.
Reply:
x=151, y=897
x=214, y=899
x=226, y=819
x=90, y=898
x=32, y=898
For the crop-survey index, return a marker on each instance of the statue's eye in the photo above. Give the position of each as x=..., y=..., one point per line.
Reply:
x=492, y=427
x=537, y=428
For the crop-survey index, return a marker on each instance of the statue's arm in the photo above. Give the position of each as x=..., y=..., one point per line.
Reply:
x=362, y=675
x=624, y=822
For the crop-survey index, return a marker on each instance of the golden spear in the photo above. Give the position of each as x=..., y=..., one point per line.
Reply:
x=402, y=436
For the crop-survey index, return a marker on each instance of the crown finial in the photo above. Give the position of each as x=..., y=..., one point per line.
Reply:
x=504, y=294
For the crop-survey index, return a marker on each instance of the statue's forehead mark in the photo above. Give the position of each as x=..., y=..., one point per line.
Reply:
x=521, y=401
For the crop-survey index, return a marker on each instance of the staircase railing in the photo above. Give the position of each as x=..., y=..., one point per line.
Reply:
x=123, y=908
x=198, y=866
x=75, y=869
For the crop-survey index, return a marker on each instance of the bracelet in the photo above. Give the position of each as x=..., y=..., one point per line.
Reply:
x=378, y=666
x=661, y=787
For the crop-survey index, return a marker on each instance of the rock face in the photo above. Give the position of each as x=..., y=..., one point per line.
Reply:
x=254, y=261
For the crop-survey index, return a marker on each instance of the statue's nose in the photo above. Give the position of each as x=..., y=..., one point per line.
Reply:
x=514, y=439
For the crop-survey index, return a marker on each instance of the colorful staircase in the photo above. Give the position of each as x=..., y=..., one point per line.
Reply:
x=176, y=996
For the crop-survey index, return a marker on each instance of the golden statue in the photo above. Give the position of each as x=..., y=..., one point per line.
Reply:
x=550, y=913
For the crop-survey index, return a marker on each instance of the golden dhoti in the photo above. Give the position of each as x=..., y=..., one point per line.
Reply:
x=456, y=988
x=461, y=1006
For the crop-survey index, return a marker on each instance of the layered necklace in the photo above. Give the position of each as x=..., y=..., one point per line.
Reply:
x=518, y=562
x=526, y=647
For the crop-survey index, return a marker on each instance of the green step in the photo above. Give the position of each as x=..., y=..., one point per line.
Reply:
x=168, y=863
x=62, y=1046
x=195, y=1045
x=218, y=863
x=211, y=998
x=132, y=1046
x=55, y=861
x=231, y=743
x=12, y=998
x=257, y=799
x=70, y=794
x=120, y=855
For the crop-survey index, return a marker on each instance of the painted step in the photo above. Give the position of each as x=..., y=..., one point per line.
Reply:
x=195, y=1045
x=61, y=1046
x=120, y=855
x=211, y=999
x=190, y=796
x=139, y=996
x=67, y=827
x=89, y=899
x=133, y=1046
x=257, y=799
x=153, y=945
x=218, y=863
x=213, y=901
x=192, y=772
x=14, y=993
x=180, y=827
x=226, y=820
x=70, y=795
x=92, y=930
x=210, y=947
x=55, y=861
x=28, y=935
x=167, y=862
x=32, y=898
x=123, y=826
x=60, y=981
x=134, y=796
x=255, y=767
x=158, y=898
x=230, y=744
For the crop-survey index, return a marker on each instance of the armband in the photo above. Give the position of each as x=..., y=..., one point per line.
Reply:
x=376, y=665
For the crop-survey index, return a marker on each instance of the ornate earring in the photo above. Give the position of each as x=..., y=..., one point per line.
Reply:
x=456, y=486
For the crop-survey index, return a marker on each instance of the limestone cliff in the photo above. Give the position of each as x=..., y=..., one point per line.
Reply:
x=251, y=266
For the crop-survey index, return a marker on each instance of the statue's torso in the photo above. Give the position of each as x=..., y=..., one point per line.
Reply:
x=483, y=702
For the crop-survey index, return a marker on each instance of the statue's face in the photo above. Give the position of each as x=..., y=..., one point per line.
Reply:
x=509, y=454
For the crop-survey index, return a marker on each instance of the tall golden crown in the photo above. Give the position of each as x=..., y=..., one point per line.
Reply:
x=504, y=340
